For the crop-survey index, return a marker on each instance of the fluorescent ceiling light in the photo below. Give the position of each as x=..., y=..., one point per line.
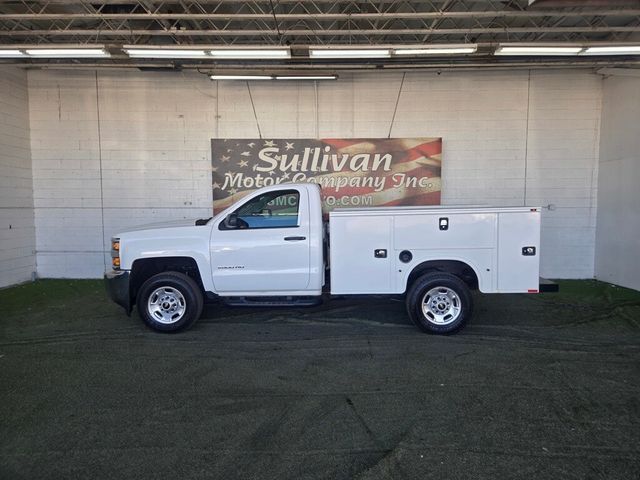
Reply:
x=613, y=50
x=349, y=53
x=443, y=50
x=540, y=51
x=68, y=52
x=308, y=77
x=241, y=77
x=255, y=54
x=164, y=53
x=11, y=53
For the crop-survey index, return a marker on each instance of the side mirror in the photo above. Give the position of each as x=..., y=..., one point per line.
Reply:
x=231, y=221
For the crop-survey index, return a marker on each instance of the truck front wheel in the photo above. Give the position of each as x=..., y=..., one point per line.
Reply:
x=169, y=302
x=439, y=303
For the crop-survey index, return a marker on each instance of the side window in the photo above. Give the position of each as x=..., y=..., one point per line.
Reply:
x=278, y=209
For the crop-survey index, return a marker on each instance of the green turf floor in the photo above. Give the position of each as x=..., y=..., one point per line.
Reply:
x=536, y=386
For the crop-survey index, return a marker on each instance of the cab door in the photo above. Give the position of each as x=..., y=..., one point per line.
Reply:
x=263, y=246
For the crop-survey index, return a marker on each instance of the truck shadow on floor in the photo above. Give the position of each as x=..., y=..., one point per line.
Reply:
x=370, y=311
x=582, y=307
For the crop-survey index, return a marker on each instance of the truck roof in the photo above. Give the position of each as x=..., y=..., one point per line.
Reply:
x=428, y=209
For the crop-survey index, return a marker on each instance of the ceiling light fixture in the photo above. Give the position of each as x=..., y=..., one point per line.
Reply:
x=251, y=54
x=306, y=77
x=11, y=53
x=67, y=52
x=613, y=50
x=535, y=50
x=164, y=53
x=241, y=77
x=438, y=50
x=349, y=53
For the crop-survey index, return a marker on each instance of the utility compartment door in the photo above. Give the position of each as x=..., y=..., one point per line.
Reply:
x=361, y=254
x=518, y=270
x=458, y=230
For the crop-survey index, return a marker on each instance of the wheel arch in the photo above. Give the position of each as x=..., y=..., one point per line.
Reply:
x=144, y=268
x=466, y=272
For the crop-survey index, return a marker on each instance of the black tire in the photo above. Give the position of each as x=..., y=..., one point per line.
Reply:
x=447, y=282
x=189, y=306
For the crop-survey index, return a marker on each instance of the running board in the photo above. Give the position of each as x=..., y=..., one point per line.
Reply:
x=271, y=301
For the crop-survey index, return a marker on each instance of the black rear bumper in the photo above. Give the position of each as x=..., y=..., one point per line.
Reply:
x=547, y=286
x=117, y=284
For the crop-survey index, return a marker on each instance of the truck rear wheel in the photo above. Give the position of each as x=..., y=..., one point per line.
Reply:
x=169, y=302
x=439, y=303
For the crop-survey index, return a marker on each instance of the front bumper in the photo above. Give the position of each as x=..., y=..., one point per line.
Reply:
x=117, y=284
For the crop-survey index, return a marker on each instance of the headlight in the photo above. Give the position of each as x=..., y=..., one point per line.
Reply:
x=115, y=253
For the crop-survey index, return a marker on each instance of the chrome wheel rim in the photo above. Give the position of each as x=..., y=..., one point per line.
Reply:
x=441, y=306
x=166, y=305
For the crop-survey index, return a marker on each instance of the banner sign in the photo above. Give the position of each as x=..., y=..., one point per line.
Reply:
x=360, y=172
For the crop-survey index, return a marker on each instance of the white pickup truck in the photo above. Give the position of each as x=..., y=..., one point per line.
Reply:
x=272, y=248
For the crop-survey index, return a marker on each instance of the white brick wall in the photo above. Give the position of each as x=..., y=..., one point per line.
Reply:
x=562, y=162
x=151, y=158
x=618, y=232
x=17, y=231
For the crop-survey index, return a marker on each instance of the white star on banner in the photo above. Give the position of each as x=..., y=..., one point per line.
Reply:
x=269, y=143
x=225, y=158
x=216, y=185
x=245, y=154
x=243, y=163
x=232, y=191
x=285, y=176
x=214, y=169
x=251, y=145
x=289, y=145
x=271, y=173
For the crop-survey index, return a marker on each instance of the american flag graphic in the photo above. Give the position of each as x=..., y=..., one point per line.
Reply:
x=352, y=172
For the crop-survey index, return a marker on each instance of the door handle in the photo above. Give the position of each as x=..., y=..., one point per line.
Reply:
x=294, y=239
